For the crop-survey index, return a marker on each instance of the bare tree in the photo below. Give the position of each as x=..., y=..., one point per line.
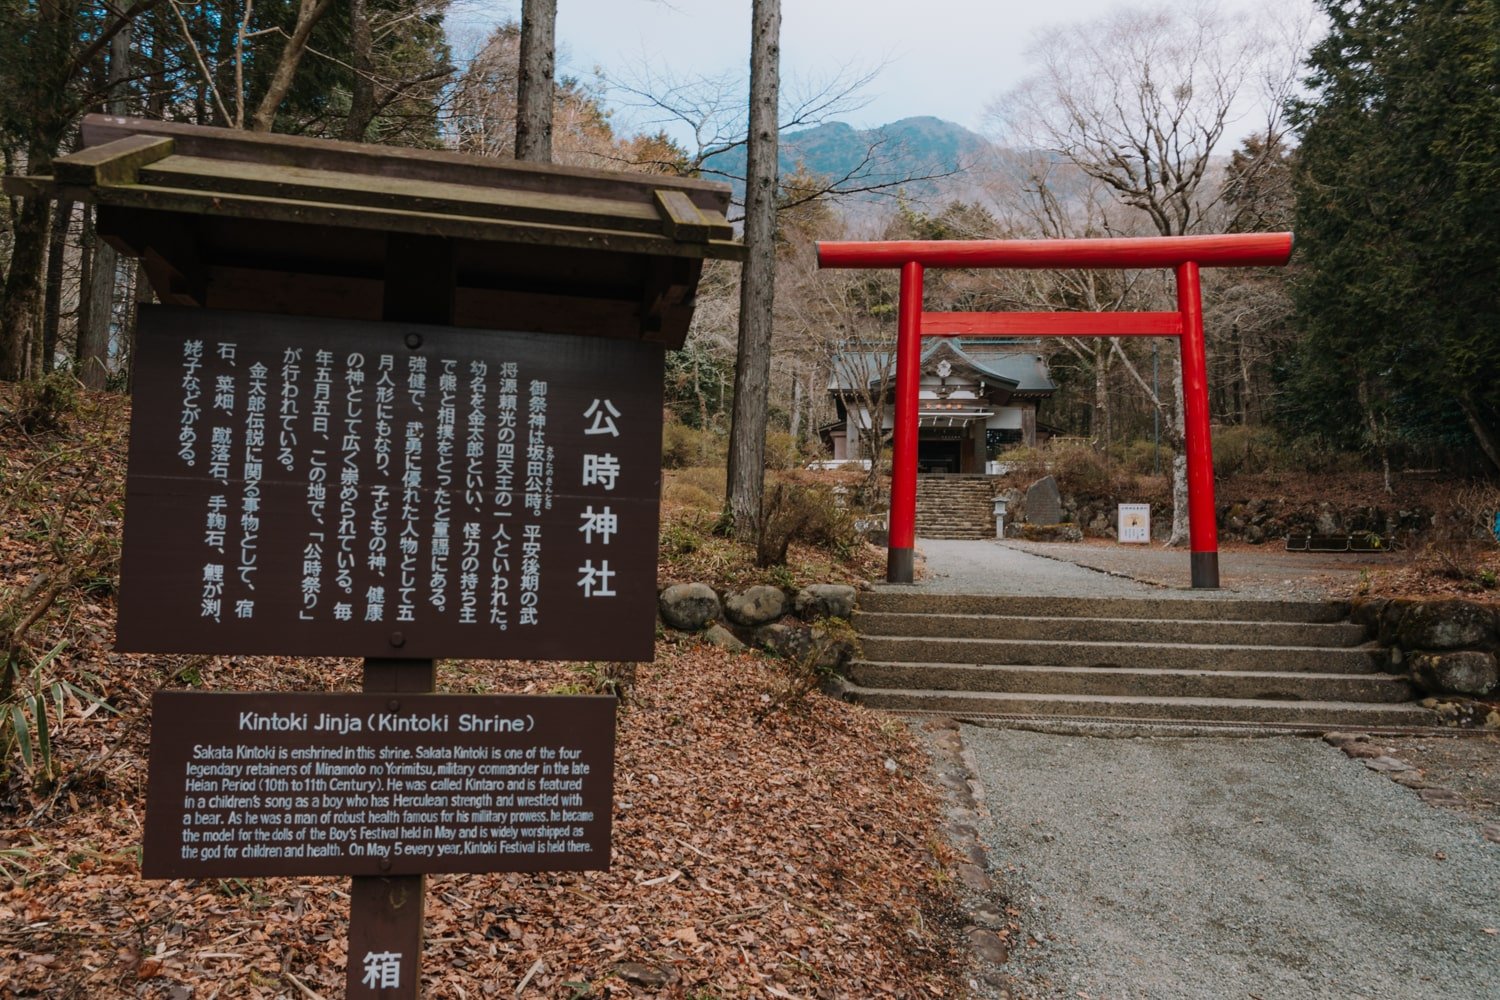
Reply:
x=362, y=61
x=309, y=13
x=836, y=333
x=752, y=370
x=1054, y=199
x=48, y=81
x=1139, y=101
x=483, y=103
x=712, y=111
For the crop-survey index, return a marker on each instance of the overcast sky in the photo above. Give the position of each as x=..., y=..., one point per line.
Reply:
x=947, y=58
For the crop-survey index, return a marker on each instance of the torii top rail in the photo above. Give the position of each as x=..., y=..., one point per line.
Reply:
x=1184, y=254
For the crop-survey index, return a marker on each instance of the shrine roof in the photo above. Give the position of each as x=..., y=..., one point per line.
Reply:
x=1016, y=366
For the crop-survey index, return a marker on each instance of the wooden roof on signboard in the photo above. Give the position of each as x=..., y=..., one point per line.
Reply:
x=242, y=220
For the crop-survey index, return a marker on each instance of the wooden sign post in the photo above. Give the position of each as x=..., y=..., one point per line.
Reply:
x=381, y=488
x=402, y=405
x=386, y=911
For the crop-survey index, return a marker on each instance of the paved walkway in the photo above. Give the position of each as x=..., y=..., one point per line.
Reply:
x=1231, y=868
x=1110, y=570
x=994, y=567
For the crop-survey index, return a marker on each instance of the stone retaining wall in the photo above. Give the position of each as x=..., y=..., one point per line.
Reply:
x=1254, y=520
x=1448, y=648
x=799, y=625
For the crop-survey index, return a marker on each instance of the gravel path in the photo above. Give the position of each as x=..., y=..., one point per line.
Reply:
x=1276, y=869
x=992, y=567
x=1088, y=569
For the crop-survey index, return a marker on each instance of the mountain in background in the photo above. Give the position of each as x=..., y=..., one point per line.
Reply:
x=924, y=148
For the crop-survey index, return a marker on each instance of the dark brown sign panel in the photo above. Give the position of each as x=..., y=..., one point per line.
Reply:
x=328, y=487
x=359, y=784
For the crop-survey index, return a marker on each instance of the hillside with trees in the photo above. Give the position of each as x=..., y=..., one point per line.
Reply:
x=1361, y=384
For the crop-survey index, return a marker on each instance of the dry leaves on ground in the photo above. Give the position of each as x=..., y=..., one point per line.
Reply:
x=779, y=857
x=756, y=853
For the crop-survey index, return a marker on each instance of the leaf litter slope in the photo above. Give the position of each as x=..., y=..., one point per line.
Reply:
x=755, y=853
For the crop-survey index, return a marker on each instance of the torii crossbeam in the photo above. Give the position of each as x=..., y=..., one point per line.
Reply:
x=1184, y=254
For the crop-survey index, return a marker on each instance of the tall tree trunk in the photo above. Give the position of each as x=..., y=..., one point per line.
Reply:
x=62, y=212
x=86, y=241
x=42, y=86
x=1488, y=443
x=752, y=371
x=796, y=421
x=1176, y=429
x=95, y=320
x=93, y=337
x=361, y=59
x=21, y=311
x=1246, y=395
x=1100, y=421
x=534, y=84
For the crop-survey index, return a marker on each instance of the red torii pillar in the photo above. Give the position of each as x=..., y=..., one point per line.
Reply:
x=1184, y=254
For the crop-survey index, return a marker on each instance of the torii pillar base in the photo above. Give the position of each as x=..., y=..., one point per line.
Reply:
x=1205, y=569
x=900, y=565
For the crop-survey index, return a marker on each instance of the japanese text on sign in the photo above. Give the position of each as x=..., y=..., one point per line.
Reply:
x=333, y=784
x=479, y=488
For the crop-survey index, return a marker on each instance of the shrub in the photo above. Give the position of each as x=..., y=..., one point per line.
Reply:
x=1081, y=471
x=675, y=492
x=1312, y=453
x=1241, y=449
x=47, y=403
x=707, y=478
x=1143, y=457
x=791, y=513
x=683, y=446
x=1024, y=463
x=782, y=451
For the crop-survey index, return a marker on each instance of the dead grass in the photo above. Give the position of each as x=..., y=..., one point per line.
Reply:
x=692, y=549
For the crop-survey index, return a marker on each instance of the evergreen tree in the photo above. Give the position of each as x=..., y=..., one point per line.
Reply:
x=1398, y=220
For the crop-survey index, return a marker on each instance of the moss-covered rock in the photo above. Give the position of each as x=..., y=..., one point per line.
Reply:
x=690, y=606
x=1471, y=672
x=1441, y=625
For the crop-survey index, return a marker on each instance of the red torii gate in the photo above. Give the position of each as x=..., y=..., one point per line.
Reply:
x=1184, y=254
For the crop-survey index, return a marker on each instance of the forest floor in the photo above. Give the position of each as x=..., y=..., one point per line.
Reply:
x=768, y=841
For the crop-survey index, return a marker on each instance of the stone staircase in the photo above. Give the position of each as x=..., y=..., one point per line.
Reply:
x=1281, y=664
x=955, y=506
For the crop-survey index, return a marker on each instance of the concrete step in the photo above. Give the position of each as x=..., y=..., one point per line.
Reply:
x=905, y=600
x=1321, y=714
x=1016, y=679
x=955, y=508
x=1332, y=634
x=1154, y=656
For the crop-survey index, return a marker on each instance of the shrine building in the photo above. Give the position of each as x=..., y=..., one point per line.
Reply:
x=975, y=401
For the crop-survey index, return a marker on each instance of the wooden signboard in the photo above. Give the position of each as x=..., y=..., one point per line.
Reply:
x=345, y=488
x=364, y=784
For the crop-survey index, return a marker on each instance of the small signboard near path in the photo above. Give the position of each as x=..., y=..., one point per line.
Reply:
x=1135, y=523
x=362, y=784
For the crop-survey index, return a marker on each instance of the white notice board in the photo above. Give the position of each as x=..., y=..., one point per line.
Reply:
x=1135, y=523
